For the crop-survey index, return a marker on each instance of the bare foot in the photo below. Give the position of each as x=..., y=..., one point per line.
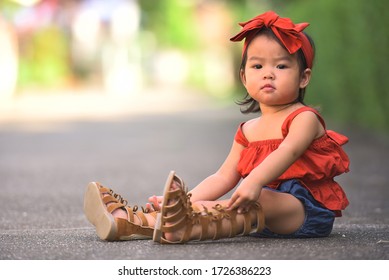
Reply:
x=155, y=203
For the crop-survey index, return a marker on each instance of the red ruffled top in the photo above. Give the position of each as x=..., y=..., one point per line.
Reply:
x=315, y=169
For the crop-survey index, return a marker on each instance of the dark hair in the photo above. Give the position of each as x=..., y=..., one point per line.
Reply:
x=250, y=105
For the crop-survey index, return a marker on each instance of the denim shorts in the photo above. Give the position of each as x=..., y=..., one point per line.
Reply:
x=318, y=220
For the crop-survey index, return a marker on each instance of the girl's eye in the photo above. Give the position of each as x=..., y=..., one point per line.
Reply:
x=257, y=66
x=281, y=66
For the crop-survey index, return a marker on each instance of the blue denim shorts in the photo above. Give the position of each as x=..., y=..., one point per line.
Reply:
x=318, y=220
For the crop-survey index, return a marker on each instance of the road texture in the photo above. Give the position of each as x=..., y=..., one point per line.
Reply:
x=46, y=163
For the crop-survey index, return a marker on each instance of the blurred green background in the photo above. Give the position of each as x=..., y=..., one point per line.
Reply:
x=127, y=45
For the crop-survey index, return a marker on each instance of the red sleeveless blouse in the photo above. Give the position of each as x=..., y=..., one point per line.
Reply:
x=315, y=169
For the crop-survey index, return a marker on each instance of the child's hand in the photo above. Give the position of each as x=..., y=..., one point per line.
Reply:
x=155, y=202
x=243, y=197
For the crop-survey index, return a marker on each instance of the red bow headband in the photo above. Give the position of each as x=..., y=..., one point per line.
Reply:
x=290, y=34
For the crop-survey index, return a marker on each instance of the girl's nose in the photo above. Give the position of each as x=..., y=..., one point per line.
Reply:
x=268, y=75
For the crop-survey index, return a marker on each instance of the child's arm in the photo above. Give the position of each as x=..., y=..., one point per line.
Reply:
x=223, y=180
x=217, y=184
x=303, y=130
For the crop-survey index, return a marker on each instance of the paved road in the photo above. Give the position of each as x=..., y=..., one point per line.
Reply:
x=45, y=166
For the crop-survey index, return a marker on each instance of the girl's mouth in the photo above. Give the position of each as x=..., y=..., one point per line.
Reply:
x=267, y=86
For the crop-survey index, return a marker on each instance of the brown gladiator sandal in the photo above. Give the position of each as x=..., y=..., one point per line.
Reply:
x=107, y=226
x=177, y=213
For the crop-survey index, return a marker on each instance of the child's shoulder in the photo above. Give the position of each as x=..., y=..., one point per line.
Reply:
x=307, y=113
x=303, y=118
x=247, y=129
x=249, y=124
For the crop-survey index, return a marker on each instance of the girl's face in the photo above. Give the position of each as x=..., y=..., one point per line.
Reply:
x=272, y=75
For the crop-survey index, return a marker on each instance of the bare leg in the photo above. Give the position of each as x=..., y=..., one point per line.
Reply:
x=284, y=213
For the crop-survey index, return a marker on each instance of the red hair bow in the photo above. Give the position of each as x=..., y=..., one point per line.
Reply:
x=289, y=34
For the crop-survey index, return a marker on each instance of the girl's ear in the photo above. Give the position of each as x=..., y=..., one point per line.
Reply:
x=305, y=78
x=242, y=77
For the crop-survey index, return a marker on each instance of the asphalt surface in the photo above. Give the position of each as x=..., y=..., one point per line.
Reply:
x=45, y=166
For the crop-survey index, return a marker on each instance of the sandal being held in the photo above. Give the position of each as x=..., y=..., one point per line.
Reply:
x=179, y=221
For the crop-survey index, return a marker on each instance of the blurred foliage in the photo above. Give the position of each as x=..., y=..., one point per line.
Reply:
x=174, y=24
x=349, y=79
x=352, y=41
x=44, y=53
x=171, y=21
x=45, y=59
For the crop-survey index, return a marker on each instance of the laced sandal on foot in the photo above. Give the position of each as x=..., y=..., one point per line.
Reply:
x=178, y=215
x=99, y=204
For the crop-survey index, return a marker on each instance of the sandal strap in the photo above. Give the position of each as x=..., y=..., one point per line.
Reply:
x=117, y=201
x=174, y=207
x=104, y=189
x=140, y=214
x=115, y=196
x=260, y=219
x=176, y=226
x=247, y=223
x=176, y=215
x=233, y=230
x=130, y=214
x=109, y=199
x=112, y=207
x=225, y=214
x=219, y=213
x=188, y=231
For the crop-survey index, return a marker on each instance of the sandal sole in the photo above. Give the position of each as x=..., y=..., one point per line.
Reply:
x=97, y=214
x=157, y=235
x=137, y=232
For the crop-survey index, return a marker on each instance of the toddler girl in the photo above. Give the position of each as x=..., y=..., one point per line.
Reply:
x=282, y=163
